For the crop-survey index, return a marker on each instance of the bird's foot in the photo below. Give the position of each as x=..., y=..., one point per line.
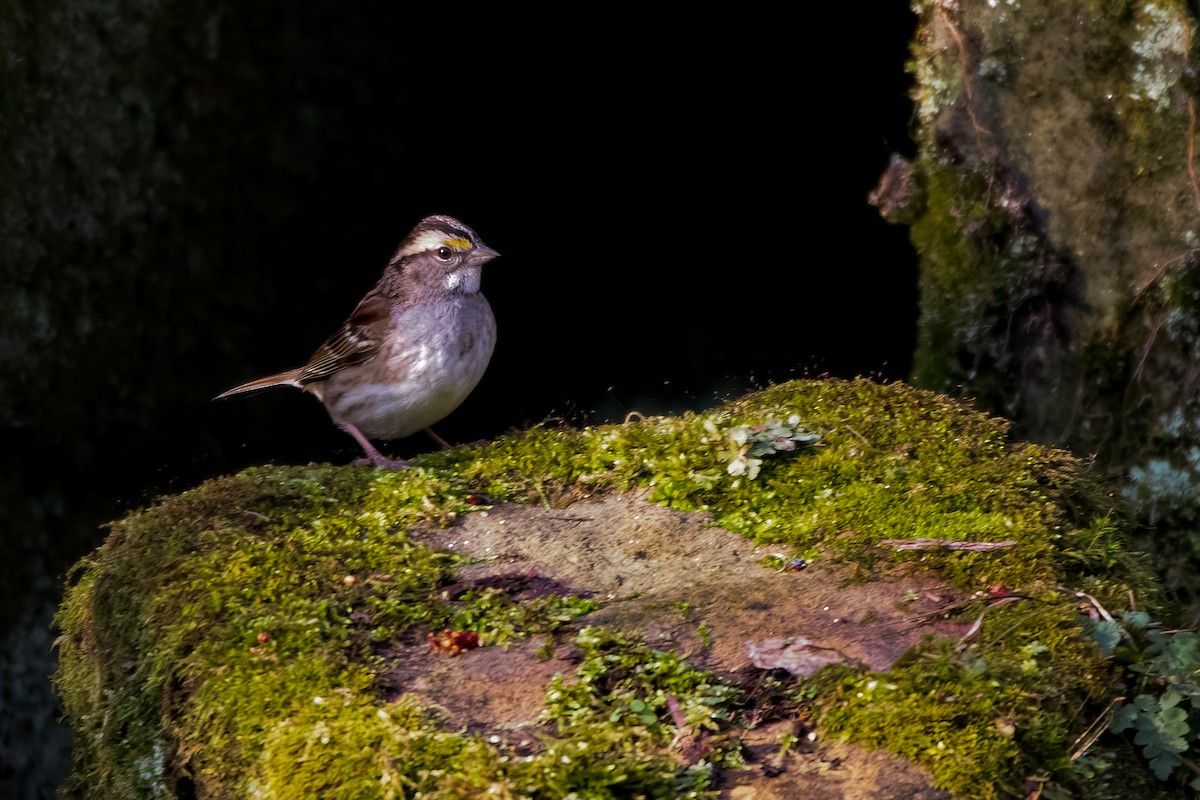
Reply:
x=373, y=457
x=381, y=462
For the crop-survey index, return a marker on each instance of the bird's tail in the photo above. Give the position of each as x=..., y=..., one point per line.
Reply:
x=289, y=378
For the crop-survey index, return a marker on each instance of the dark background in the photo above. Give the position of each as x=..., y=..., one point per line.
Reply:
x=680, y=218
x=680, y=203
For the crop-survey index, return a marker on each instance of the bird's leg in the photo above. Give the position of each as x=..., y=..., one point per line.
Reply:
x=373, y=455
x=439, y=441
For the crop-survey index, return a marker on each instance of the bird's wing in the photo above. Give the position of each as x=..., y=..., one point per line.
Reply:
x=358, y=340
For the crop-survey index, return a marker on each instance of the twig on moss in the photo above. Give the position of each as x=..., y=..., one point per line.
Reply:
x=1101, y=610
x=944, y=544
x=1093, y=732
x=978, y=623
x=975, y=626
x=860, y=436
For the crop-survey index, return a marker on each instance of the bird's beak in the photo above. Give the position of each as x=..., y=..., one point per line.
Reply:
x=483, y=254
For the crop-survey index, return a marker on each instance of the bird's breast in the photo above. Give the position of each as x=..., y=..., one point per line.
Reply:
x=430, y=360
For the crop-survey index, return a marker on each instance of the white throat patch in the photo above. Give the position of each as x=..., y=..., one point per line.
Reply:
x=463, y=279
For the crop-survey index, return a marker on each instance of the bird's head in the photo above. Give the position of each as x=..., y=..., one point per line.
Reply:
x=442, y=255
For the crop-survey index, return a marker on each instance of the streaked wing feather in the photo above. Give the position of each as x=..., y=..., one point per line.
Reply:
x=357, y=341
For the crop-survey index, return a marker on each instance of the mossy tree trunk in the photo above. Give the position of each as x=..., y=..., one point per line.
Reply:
x=1055, y=203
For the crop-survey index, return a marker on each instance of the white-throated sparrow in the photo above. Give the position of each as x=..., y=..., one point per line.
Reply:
x=415, y=346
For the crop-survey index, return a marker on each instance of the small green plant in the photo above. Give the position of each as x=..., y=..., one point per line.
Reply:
x=775, y=562
x=499, y=619
x=622, y=681
x=1165, y=711
x=750, y=444
x=786, y=742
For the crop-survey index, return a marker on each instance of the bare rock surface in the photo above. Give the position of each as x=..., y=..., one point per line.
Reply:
x=693, y=587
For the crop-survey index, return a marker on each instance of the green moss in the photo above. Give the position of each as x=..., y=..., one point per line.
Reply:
x=978, y=266
x=615, y=719
x=893, y=463
x=229, y=606
x=227, y=632
x=623, y=681
x=980, y=715
x=348, y=749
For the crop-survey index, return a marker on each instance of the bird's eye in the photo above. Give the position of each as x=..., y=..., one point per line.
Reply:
x=444, y=253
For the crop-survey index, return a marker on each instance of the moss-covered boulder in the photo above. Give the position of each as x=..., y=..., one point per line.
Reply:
x=716, y=602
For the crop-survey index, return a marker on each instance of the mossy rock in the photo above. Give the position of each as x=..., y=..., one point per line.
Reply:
x=652, y=624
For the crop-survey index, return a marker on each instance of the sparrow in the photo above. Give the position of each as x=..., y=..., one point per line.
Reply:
x=413, y=348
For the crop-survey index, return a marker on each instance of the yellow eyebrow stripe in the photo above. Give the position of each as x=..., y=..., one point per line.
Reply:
x=457, y=244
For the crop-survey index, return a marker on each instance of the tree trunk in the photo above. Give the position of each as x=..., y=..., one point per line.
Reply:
x=1054, y=202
